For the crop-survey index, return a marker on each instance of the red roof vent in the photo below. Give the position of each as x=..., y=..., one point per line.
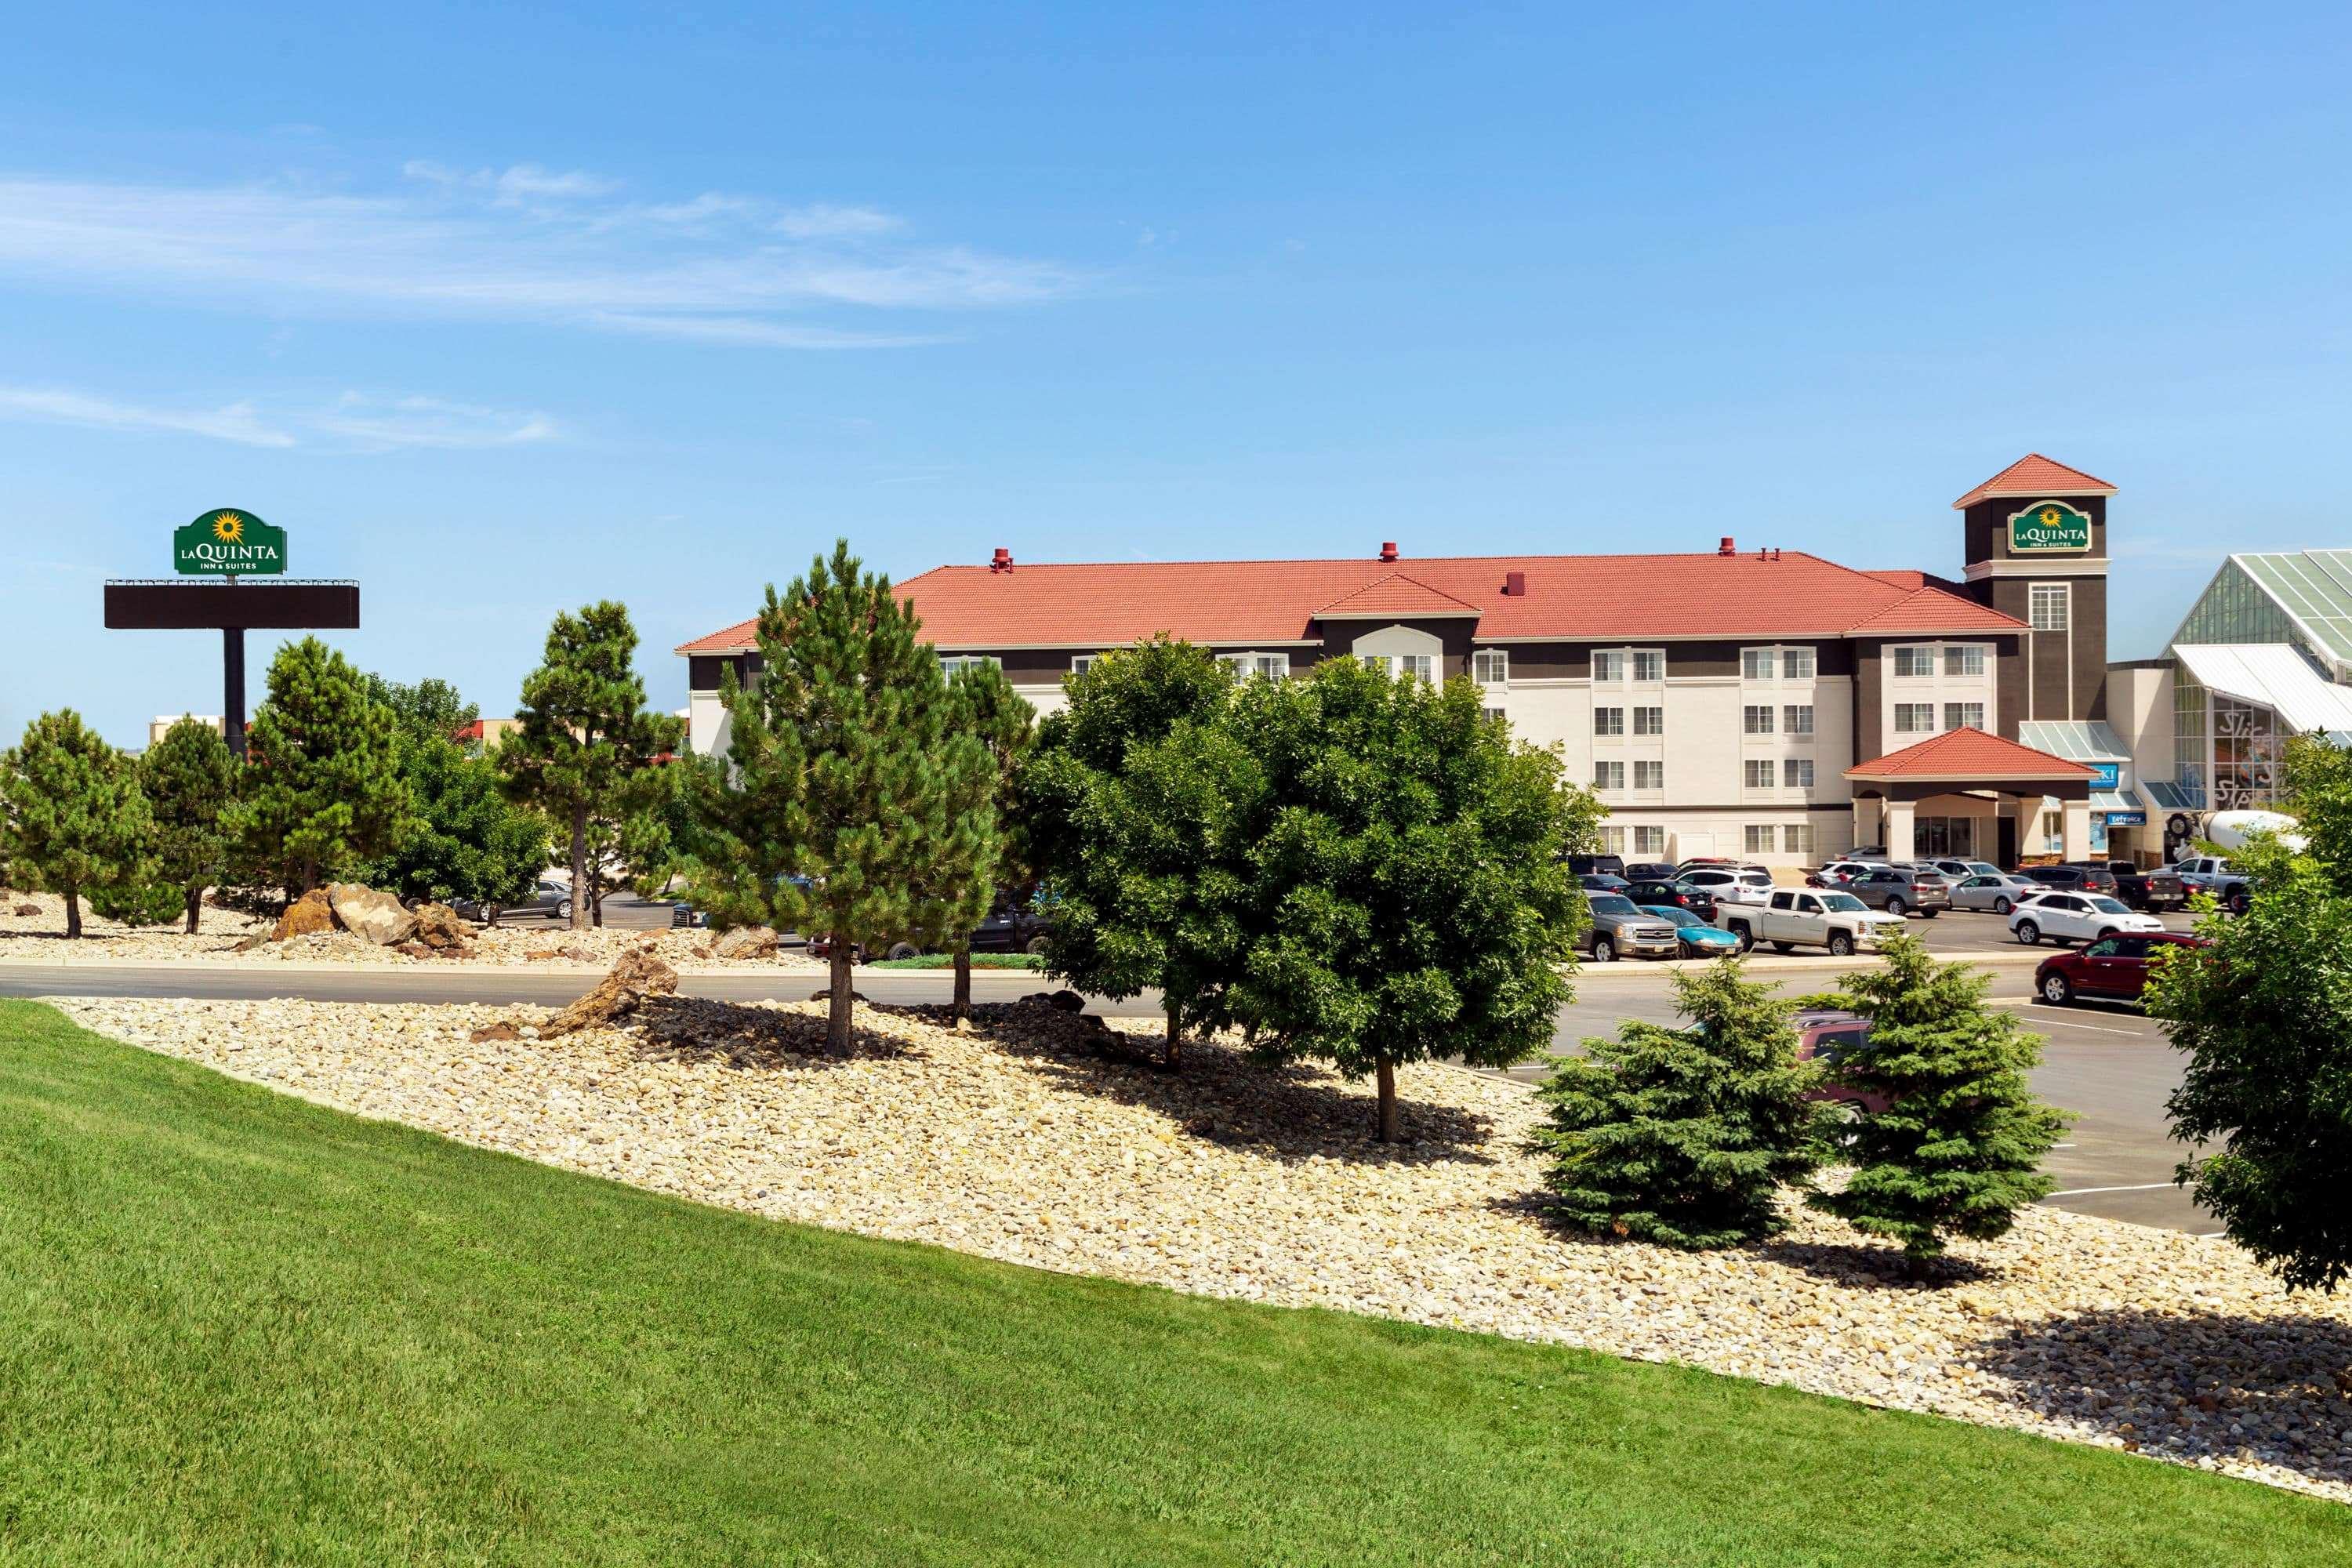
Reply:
x=1726, y=547
x=1515, y=583
x=1003, y=562
x=1388, y=550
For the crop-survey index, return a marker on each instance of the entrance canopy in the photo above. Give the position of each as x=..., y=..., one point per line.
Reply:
x=1887, y=790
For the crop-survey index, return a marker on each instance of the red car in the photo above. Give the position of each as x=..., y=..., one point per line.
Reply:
x=2114, y=968
x=1824, y=1035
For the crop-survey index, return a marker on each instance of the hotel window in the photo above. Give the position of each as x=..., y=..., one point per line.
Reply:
x=1797, y=838
x=1914, y=717
x=1797, y=719
x=1609, y=721
x=1760, y=772
x=1796, y=664
x=1491, y=666
x=1797, y=773
x=1493, y=712
x=1612, y=841
x=1964, y=658
x=1272, y=666
x=1649, y=664
x=1421, y=666
x=2046, y=607
x=1608, y=775
x=1755, y=664
x=1650, y=840
x=1756, y=719
x=1963, y=715
x=1082, y=662
x=1608, y=664
x=2053, y=831
x=1649, y=775
x=1759, y=838
x=954, y=664
x=1649, y=721
x=1912, y=663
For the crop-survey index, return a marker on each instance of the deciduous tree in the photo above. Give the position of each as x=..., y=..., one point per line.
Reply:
x=1407, y=893
x=844, y=764
x=465, y=837
x=76, y=823
x=1135, y=802
x=1686, y=1136
x=321, y=790
x=2265, y=1017
x=1959, y=1148
x=189, y=781
x=585, y=733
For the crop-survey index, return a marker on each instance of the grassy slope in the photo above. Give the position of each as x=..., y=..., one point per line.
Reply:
x=238, y=1328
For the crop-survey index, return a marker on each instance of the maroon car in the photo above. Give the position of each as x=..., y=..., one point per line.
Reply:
x=1825, y=1034
x=2114, y=968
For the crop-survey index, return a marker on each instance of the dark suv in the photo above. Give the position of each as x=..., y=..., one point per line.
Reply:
x=1596, y=865
x=2075, y=878
x=2154, y=891
x=1666, y=891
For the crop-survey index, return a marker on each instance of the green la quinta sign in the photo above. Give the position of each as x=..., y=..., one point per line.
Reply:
x=2048, y=526
x=227, y=542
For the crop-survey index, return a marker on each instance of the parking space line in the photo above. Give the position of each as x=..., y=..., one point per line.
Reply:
x=2086, y=1192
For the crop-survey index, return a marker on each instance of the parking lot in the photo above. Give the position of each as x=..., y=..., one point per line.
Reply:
x=1959, y=931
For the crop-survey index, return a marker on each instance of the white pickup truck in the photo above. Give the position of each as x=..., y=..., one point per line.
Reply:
x=1803, y=917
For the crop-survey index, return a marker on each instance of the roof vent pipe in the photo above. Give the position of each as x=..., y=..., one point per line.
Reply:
x=1726, y=547
x=1002, y=561
x=1515, y=583
x=1388, y=550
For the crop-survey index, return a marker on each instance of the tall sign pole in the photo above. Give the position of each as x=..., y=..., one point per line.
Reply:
x=224, y=545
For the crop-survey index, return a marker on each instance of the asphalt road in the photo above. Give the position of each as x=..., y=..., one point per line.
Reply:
x=2108, y=1064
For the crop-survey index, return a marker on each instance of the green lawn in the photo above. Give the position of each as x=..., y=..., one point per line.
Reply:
x=947, y=961
x=235, y=1328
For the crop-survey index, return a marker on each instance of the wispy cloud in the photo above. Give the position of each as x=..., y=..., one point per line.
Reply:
x=48, y=405
x=520, y=244
x=356, y=421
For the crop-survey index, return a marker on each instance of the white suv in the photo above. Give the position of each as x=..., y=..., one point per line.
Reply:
x=1732, y=884
x=2077, y=917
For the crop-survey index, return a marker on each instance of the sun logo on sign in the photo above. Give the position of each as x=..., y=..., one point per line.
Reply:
x=2050, y=517
x=229, y=527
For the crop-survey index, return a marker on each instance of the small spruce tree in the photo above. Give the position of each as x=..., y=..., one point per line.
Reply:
x=845, y=763
x=77, y=823
x=1685, y=1136
x=322, y=789
x=190, y=780
x=585, y=735
x=1958, y=1149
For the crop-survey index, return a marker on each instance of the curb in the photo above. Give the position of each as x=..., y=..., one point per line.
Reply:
x=1771, y=965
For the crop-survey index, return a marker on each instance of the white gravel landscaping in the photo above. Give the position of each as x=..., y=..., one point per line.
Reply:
x=39, y=937
x=1049, y=1139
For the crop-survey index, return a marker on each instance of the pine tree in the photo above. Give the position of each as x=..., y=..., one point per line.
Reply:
x=76, y=823
x=190, y=780
x=839, y=816
x=1958, y=1149
x=984, y=705
x=322, y=788
x=585, y=733
x=1685, y=1136
x=1132, y=802
x=1408, y=897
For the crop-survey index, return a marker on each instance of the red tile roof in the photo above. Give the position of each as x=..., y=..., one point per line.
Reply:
x=1970, y=755
x=1569, y=598
x=2035, y=475
x=1395, y=596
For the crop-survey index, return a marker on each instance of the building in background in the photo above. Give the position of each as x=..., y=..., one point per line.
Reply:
x=1765, y=704
x=161, y=725
x=2264, y=654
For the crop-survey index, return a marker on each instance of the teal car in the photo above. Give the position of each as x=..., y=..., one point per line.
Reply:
x=1699, y=939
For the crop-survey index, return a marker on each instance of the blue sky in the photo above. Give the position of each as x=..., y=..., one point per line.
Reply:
x=501, y=311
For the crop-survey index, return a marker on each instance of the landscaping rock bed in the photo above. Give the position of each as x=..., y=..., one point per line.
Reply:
x=227, y=935
x=1052, y=1140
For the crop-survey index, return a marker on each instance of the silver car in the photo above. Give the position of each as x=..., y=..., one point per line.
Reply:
x=1621, y=926
x=1994, y=892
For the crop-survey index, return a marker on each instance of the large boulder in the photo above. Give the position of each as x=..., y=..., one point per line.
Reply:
x=376, y=916
x=745, y=941
x=306, y=915
x=638, y=974
x=437, y=926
